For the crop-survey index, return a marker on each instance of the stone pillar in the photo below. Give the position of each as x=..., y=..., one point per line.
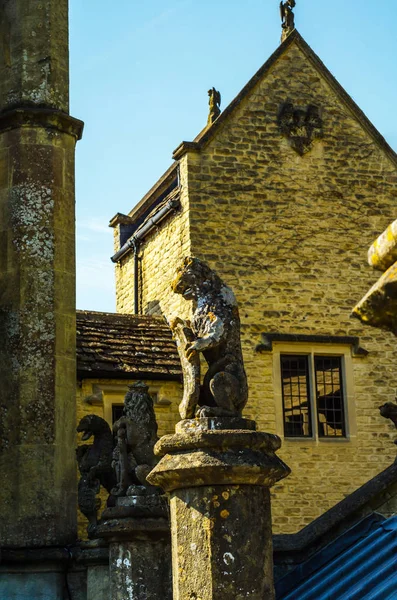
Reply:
x=218, y=472
x=138, y=533
x=37, y=277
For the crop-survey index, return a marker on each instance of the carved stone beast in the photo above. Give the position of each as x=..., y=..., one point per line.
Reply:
x=95, y=466
x=136, y=435
x=215, y=332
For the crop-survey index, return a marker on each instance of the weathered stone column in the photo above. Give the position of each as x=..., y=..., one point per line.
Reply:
x=218, y=472
x=37, y=277
x=138, y=533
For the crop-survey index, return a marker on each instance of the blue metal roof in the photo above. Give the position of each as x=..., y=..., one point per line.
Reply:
x=359, y=565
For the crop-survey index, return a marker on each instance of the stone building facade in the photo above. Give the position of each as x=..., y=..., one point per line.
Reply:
x=281, y=195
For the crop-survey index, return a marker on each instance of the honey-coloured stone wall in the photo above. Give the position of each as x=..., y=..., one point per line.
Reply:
x=289, y=233
x=159, y=254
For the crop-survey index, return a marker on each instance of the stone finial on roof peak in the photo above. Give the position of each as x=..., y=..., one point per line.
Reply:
x=214, y=104
x=287, y=18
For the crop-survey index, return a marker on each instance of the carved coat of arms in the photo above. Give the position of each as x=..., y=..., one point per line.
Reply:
x=301, y=126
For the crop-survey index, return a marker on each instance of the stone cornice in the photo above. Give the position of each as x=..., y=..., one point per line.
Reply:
x=121, y=219
x=266, y=344
x=46, y=118
x=185, y=147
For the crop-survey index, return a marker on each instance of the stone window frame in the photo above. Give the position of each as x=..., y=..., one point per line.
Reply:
x=108, y=395
x=344, y=351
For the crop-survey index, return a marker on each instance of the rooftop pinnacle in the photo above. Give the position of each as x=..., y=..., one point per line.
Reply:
x=287, y=18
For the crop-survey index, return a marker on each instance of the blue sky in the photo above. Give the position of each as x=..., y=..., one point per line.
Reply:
x=140, y=72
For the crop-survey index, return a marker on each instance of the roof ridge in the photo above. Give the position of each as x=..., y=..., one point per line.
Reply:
x=99, y=313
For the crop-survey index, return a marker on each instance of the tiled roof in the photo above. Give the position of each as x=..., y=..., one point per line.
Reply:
x=122, y=346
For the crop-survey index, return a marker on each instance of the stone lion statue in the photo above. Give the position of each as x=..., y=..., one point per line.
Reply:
x=214, y=332
x=136, y=435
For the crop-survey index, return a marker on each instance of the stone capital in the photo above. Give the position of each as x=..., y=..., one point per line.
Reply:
x=201, y=453
x=46, y=118
x=128, y=528
x=135, y=517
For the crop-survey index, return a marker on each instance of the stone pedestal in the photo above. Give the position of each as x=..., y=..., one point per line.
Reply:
x=218, y=472
x=138, y=533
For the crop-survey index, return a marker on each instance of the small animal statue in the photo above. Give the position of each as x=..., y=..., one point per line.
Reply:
x=136, y=434
x=389, y=411
x=287, y=17
x=95, y=466
x=214, y=104
x=214, y=332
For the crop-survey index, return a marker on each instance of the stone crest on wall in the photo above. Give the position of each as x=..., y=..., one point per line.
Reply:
x=301, y=126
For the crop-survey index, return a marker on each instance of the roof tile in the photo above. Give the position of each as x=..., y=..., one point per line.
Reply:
x=121, y=346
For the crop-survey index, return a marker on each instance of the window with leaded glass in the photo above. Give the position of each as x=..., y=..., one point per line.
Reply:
x=312, y=395
x=117, y=412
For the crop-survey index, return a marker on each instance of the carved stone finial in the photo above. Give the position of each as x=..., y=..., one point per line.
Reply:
x=214, y=104
x=214, y=332
x=287, y=17
x=136, y=435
